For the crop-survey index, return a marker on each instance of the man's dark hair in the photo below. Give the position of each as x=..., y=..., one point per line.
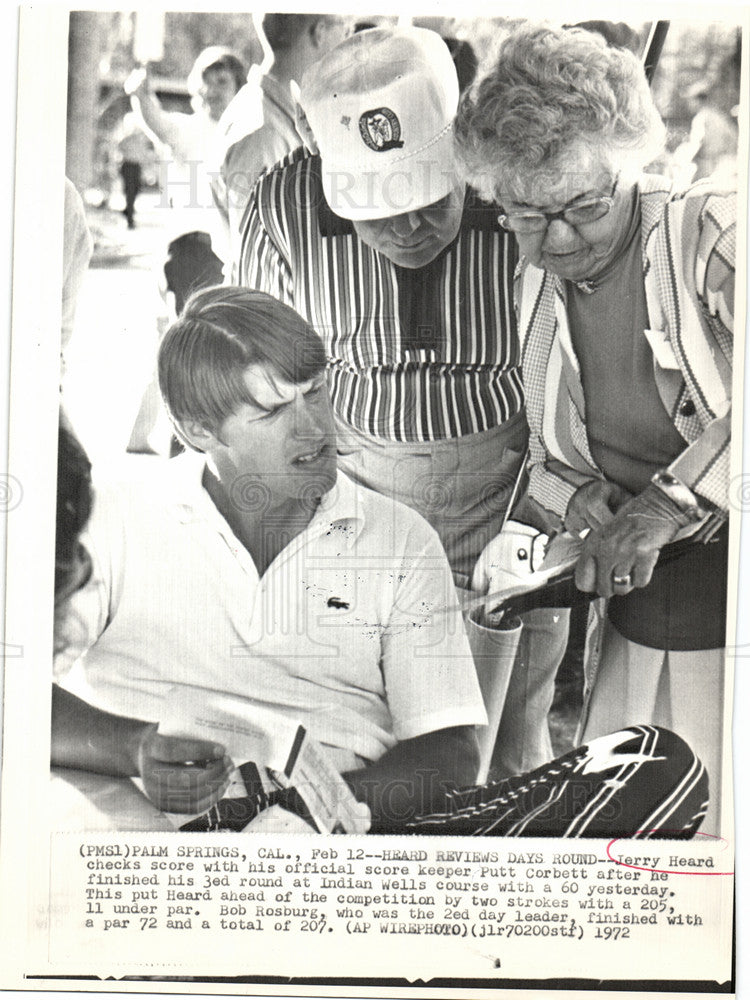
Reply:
x=464, y=59
x=618, y=35
x=74, y=501
x=216, y=57
x=220, y=333
x=232, y=65
x=283, y=30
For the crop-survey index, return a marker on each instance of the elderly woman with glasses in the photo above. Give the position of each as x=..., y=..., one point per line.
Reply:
x=624, y=300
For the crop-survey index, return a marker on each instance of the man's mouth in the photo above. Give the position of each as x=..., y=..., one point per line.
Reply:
x=311, y=456
x=413, y=246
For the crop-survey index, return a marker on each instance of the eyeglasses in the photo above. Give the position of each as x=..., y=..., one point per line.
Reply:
x=536, y=221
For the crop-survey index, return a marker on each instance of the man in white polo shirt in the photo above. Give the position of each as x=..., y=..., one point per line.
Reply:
x=253, y=570
x=250, y=568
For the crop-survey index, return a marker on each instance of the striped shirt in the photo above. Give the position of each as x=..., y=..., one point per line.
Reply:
x=414, y=355
x=688, y=251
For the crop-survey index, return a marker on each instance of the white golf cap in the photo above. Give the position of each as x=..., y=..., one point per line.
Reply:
x=381, y=107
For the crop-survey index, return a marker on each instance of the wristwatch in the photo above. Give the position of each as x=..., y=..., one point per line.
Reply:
x=681, y=496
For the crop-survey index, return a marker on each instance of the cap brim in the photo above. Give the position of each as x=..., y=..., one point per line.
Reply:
x=402, y=184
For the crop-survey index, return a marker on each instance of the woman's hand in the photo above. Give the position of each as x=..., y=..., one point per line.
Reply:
x=181, y=775
x=593, y=505
x=620, y=555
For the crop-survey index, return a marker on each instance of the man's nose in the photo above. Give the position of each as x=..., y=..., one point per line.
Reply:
x=311, y=423
x=406, y=224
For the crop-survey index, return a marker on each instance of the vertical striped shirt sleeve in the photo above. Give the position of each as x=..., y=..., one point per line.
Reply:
x=263, y=263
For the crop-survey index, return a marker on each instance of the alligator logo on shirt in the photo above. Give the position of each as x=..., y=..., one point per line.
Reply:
x=336, y=602
x=380, y=130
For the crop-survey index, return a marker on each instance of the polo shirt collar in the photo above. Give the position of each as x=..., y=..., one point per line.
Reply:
x=186, y=492
x=342, y=506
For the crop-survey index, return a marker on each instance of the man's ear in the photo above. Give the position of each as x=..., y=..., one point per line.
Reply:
x=302, y=124
x=317, y=33
x=198, y=436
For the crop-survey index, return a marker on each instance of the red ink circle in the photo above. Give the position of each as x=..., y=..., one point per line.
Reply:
x=664, y=871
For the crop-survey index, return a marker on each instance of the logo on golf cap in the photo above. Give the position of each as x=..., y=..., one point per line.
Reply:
x=380, y=130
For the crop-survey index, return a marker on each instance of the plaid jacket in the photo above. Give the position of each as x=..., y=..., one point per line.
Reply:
x=688, y=247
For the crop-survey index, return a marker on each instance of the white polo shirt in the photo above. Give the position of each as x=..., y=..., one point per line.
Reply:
x=344, y=632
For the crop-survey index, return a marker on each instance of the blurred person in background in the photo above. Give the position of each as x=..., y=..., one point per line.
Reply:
x=190, y=217
x=215, y=78
x=711, y=148
x=136, y=152
x=258, y=128
x=625, y=298
x=616, y=34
